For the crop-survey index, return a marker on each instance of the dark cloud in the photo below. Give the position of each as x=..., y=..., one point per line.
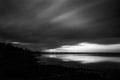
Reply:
x=52, y=23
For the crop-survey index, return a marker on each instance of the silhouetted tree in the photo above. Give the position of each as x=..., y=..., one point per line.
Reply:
x=16, y=61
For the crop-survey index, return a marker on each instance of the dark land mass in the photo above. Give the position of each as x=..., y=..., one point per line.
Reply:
x=21, y=64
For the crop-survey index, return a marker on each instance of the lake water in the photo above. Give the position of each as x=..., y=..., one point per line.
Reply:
x=95, y=60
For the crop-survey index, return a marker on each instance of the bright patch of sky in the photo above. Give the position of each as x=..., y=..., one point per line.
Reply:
x=87, y=47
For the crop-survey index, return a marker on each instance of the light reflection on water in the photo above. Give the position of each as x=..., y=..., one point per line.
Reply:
x=83, y=58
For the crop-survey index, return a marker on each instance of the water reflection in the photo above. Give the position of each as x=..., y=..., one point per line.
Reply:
x=84, y=58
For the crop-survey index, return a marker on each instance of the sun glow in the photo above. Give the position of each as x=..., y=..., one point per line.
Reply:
x=87, y=47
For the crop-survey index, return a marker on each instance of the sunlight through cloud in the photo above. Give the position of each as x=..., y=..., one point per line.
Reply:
x=87, y=47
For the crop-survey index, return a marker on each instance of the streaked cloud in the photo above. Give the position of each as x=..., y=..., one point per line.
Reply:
x=52, y=23
x=75, y=17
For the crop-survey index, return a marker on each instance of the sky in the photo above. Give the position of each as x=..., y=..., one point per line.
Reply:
x=52, y=24
x=87, y=47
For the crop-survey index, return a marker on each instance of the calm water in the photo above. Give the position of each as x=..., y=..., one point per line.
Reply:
x=103, y=60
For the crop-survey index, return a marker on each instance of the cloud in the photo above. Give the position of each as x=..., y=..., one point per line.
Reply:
x=75, y=17
x=54, y=22
x=87, y=47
